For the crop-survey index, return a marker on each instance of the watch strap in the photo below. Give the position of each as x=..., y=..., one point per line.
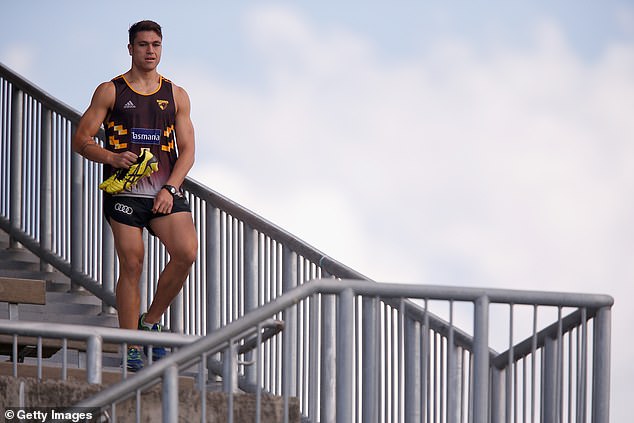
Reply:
x=171, y=189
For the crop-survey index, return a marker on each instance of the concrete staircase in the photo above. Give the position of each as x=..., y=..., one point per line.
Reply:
x=62, y=305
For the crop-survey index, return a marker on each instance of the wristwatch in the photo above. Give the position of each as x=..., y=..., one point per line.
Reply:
x=171, y=189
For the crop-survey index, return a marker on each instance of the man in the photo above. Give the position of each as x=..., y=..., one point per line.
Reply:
x=142, y=112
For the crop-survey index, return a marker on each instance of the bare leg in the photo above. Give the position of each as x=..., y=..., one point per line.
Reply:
x=176, y=231
x=128, y=242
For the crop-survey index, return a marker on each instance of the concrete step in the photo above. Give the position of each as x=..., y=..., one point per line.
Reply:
x=72, y=298
x=19, y=265
x=105, y=320
x=68, y=309
x=56, y=393
x=58, y=280
x=54, y=282
x=54, y=371
x=8, y=254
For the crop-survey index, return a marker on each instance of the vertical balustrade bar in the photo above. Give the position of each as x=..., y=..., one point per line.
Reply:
x=46, y=205
x=369, y=398
x=582, y=368
x=17, y=129
x=327, y=412
x=425, y=365
x=250, y=285
x=213, y=260
x=145, y=287
x=289, y=337
x=560, y=368
x=534, y=366
x=345, y=357
x=601, y=366
x=76, y=219
x=453, y=375
x=107, y=264
x=481, y=361
x=313, y=358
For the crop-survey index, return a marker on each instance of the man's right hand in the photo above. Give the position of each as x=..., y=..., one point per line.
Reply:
x=123, y=160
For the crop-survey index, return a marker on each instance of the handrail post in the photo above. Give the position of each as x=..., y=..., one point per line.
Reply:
x=328, y=369
x=498, y=396
x=550, y=380
x=94, y=359
x=413, y=379
x=76, y=218
x=345, y=357
x=481, y=361
x=45, y=186
x=17, y=129
x=601, y=366
x=230, y=370
x=170, y=394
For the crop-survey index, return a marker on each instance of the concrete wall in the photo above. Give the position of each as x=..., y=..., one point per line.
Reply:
x=58, y=394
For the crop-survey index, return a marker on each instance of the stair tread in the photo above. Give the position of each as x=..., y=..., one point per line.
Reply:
x=96, y=320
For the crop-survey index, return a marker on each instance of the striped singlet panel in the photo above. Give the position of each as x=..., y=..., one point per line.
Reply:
x=143, y=121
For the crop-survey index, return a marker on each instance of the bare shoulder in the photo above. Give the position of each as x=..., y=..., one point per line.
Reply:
x=181, y=98
x=104, y=96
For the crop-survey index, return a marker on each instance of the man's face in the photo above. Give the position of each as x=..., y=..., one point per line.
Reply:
x=146, y=50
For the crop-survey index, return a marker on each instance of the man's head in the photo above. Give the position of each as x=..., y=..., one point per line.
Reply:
x=144, y=26
x=145, y=45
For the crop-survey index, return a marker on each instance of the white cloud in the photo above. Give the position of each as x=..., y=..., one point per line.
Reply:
x=19, y=57
x=509, y=169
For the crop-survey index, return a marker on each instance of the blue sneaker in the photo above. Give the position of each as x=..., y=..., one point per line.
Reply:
x=158, y=351
x=134, y=361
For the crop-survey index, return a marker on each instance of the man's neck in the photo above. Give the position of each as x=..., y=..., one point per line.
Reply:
x=144, y=82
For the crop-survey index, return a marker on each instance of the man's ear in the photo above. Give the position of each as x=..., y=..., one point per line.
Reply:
x=130, y=49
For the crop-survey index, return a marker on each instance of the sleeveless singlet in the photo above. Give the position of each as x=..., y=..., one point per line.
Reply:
x=143, y=121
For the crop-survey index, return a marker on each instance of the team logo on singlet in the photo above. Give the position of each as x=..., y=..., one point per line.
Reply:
x=162, y=104
x=145, y=136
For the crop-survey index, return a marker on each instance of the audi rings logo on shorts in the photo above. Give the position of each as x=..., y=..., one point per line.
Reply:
x=123, y=208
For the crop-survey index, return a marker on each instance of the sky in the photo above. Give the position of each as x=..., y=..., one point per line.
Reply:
x=471, y=143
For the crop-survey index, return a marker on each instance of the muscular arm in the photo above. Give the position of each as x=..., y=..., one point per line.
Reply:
x=83, y=141
x=185, y=142
x=184, y=138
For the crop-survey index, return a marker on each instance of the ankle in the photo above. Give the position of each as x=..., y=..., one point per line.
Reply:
x=148, y=321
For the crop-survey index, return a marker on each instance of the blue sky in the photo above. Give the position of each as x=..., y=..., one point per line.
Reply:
x=485, y=143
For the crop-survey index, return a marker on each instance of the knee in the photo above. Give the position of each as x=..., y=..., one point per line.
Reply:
x=131, y=266
x=186, y=256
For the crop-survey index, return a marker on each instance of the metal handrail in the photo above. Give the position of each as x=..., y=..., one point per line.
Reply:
x=220, y=339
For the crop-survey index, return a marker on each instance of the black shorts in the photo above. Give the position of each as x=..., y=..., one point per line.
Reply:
x=137, y=211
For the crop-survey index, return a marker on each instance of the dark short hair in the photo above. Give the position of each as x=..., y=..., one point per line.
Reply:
x=144, y=26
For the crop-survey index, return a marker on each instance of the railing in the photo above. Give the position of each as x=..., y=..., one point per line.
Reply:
x=409, y=371
x=89, y=338
x=49, y=203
